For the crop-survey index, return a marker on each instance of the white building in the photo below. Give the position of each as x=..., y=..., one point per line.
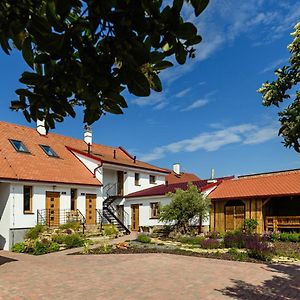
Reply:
x=142, y=206
x=52, y=179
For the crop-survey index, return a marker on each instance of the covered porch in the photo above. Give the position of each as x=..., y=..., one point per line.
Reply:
x=282, y=213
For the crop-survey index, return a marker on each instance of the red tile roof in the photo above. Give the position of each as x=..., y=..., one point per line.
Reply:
x=282, y=183
x=38, y=166
x=164, y=189
x=182, y=177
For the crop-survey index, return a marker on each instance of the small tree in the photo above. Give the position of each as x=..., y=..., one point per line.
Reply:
x=185, y=206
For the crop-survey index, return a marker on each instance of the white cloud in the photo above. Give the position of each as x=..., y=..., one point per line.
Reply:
x=262, y=135
x=182, y=93
x=196, y=104
x=223, y=21
x=199, y=102
x=211, y=141
x=274, y=65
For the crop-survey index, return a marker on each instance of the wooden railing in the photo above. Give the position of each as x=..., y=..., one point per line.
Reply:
x=280, y=222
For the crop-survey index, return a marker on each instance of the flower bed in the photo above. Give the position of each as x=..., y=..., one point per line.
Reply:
x=41, y=240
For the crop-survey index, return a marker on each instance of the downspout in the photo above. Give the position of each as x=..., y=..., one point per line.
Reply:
x=98, y=167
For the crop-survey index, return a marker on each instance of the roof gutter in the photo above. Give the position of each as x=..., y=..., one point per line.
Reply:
x=97, y=168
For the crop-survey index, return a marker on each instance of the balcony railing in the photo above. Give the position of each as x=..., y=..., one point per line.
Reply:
x=282, y=222
x=56, y=217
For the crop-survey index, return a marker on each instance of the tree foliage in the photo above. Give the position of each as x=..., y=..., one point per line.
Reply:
x=276, y=92
x=85, y=52
x=185, y=205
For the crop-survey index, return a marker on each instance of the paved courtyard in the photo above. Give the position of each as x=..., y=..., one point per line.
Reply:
x=142, y=276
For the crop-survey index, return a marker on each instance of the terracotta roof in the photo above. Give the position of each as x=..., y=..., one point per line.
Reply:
x=121, y=157
x=260, y=185
x=163, y=189
x=182, y=177
x=38, y=166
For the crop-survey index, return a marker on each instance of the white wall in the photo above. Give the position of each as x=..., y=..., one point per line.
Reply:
x=144, y=183
x=145, y=210
x=4, y=215
x=12, y=211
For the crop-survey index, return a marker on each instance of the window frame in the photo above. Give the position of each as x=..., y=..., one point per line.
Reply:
x=154, y=210
x=22, y=144
x=30, y=200
x=137, y=180
x=55, y=155
x=152, y=181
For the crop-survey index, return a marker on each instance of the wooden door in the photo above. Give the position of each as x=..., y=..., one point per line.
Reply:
x=90, y=209
x=135, y=216
x=120, y=183
x=234, y=217
x=52, y=208
x=239, y=216
x=229, y=218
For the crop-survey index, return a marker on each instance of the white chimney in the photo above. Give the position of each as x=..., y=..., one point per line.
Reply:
x=40, y=127
x=176, y=168
x=88, y=134
x=212, y=173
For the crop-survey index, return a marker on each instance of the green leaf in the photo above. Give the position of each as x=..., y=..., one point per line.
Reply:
x=186, y=30
x=163, y=65
x=177, y=5
x=180, y=54
x=27, y=115
x=199, y=6
x=27, y=51
x=30, y=78
x=138, y=84
x=156, y=83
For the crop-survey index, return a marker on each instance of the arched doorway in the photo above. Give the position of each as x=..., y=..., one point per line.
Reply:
x=234, y=215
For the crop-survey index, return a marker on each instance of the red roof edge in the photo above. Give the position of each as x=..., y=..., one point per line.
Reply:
x=126, y=152
x=84, y=153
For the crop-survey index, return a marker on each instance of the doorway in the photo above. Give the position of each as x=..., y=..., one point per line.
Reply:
x=135, y=216
x=52, y=208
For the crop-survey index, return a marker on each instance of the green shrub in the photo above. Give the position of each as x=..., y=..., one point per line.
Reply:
x=290, y=237
x=195, y=240
x=41, y=247
x=19, y=247
x=110, y=230
x=238, y=255
x=73, y=240
x=34, y=232
x=70, y=225
x=59, y=238
x=54, y=247
x=144, y=238
x=250, y=225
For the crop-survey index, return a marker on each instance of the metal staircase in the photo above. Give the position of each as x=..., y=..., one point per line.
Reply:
x=110, y=213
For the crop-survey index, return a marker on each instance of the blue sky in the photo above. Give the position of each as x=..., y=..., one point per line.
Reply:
x=209, y=115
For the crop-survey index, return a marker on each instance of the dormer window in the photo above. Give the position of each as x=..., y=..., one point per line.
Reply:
x=19, y=146
x=49, y=151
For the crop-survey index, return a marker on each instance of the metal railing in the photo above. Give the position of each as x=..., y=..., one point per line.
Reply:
x=56, y=217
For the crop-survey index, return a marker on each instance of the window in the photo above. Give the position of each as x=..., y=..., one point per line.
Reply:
x=136, y=178
x=154, y=210
x=73, y=199
x=27, y=199
x=49, y=151
x=19, y=146
x=152, y=179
